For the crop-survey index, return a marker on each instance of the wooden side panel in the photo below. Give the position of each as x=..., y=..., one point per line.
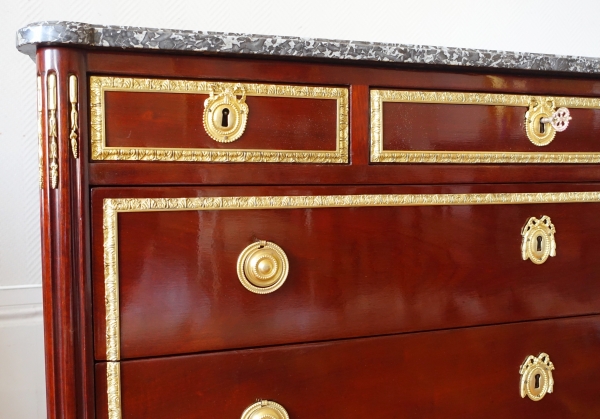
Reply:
x=65, y=243
x=451, y=374
x=353, y=271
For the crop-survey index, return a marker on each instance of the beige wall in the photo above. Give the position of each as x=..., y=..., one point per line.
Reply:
x=550, y=26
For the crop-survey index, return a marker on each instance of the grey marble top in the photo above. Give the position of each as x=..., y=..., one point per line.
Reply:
x=83, y=34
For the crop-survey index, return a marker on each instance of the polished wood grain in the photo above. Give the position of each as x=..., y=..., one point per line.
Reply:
x=175, y=120
x=359, y=129
x=356, y=76
x=125, y=173
x=65, y=252
x=443, y=127
x=52, y=391
x=455, y=374
x=353, y=271
x=341, y=72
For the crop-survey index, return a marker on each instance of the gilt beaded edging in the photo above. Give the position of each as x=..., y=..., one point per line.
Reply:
x=379, y=155
x=99, y=85
x=112, y=207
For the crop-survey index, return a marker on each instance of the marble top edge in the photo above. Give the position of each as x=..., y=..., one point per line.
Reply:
x=128, y=37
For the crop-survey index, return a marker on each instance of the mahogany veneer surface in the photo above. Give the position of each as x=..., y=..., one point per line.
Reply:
x=453, y=374
x=416, y=312
x=441, y=127
x=353, y=271
x=174, y=120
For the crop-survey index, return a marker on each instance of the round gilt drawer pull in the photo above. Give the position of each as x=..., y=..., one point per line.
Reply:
x=542, y=121
x=225, y=115
x=262, y=267
x=265, y=409
x=538, y=240
x=536, y=377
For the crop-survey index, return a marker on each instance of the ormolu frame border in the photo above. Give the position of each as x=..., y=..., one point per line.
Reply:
x=112, y=207
x=101, y=84
x=379, y=155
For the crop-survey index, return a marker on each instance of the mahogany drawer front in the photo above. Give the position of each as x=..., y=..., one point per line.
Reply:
x=467, y=127
x=176, y=120
x=377, y=260
x=471, y=372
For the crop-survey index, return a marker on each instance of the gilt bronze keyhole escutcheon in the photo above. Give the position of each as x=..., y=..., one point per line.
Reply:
x=543, y=121
x=536, y=377
x=225, y=115
x=538, y=240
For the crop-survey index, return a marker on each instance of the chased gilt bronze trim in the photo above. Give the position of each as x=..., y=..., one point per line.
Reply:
x=52, y=130
x=113, y=389
x=379, y=155
x=40, y=132
x=111, y=283
x=100, y=85
x=74, y=116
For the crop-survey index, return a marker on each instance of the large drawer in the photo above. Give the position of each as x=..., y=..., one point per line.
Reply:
x=362, y=261
x=467, y=127
x=468, y=373
x=211, y=121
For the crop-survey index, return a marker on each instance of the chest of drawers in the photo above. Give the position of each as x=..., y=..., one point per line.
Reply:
x=261, y=227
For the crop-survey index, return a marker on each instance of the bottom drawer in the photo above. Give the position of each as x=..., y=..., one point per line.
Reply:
x=462, y=373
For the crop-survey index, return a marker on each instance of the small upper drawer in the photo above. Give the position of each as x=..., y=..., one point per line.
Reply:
x=202, y=121
x=462, y=127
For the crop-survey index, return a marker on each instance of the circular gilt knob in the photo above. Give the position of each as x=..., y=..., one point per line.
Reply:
x=262, y=267
x=559, y=119
x=265, y=409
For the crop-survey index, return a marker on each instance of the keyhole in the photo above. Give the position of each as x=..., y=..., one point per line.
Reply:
x=537, y=380
x=539, y=239
x=542, y=128
x=225, y=118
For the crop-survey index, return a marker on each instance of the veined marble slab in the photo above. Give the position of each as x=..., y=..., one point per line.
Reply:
x=126, y=37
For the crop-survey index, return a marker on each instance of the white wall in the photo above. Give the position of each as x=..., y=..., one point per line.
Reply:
x=550, y=26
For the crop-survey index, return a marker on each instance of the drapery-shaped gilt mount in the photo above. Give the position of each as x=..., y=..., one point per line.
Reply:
x=74, y=116
x=536, y=377
x=52, y=130
x=538, y=240
x=225, y=115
